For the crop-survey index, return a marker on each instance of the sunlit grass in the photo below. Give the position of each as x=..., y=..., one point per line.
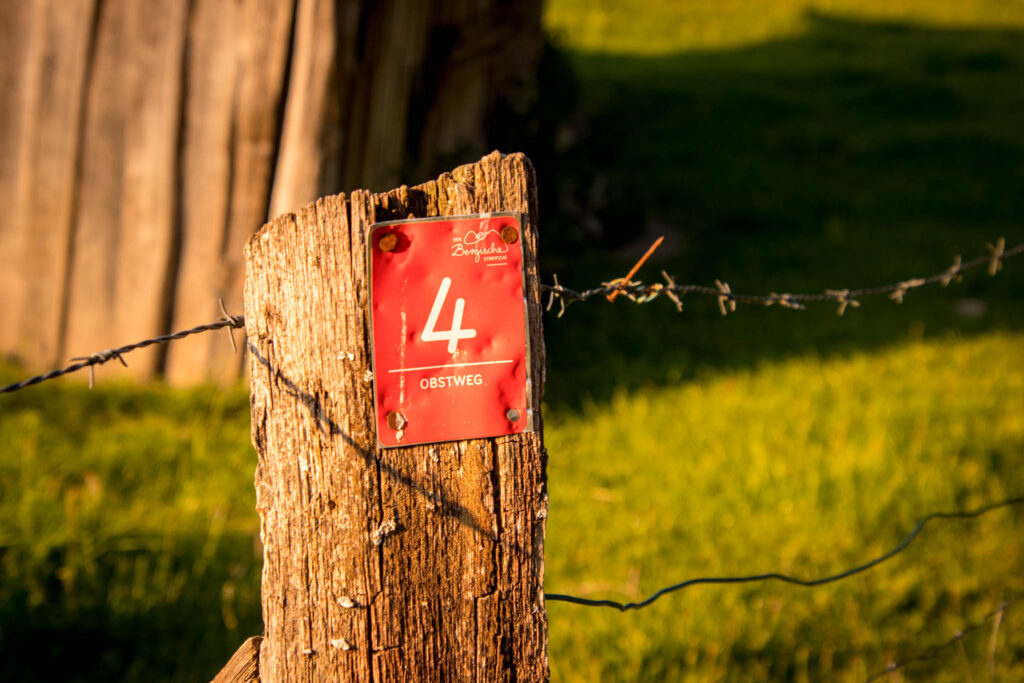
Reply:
x=128, y=513
x=648, y=27
x=807, y=466
x=128, y=535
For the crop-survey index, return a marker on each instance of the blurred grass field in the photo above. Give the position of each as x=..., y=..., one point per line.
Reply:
x=129, y=543
x=783, y=146
x=807, y=466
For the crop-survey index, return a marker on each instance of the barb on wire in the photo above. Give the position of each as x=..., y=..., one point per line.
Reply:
x=726, y=299
x=785, y=578
x=933, y=651
x=995, y=261
x=673, y=297
x=235, y=320
x=100, y=357
x=638, y=292
x=954, y=272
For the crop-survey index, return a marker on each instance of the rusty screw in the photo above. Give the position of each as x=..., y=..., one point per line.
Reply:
x=388, y=242
x=509, y=234
x=512, y=414
x=396, y=420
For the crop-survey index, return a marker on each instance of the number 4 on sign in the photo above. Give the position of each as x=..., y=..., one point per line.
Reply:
x=453, y=335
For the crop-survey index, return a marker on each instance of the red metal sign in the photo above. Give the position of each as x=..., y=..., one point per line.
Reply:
x=450, y=355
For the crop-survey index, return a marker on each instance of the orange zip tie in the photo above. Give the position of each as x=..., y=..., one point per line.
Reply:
x=632, y=271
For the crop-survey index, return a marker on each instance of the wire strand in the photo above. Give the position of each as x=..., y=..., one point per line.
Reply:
x=642, y=293
x=101, y=357
x=776, y=576
x=932, y=652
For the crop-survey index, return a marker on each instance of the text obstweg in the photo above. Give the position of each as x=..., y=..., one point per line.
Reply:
x=451, y=381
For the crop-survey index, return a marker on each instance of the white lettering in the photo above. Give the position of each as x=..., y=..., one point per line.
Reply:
x=477, y=252
x=451, y=381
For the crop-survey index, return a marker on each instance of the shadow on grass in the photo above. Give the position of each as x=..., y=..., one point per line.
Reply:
x=855, y=154
x=128, y=539
x=130, y=615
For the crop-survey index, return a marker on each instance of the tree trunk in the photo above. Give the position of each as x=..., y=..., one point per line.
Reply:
x=401, y=564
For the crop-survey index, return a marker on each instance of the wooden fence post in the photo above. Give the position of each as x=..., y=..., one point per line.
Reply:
x=422, y=563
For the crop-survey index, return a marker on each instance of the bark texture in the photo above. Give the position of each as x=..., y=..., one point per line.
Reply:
x=404, y=564
x=144, y=143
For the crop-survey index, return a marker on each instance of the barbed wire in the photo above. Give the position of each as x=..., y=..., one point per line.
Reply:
x=933, y=651
x=100, y=357
x=635, y=291
x=785, y=578
x=641, y=293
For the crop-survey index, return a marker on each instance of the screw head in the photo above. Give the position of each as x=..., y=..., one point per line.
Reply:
x=509, y=234
x=388, y=242
x=512, y=414
x=396, y=420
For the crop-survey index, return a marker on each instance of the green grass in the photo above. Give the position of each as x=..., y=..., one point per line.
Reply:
x=128, y=534
x=786, y=146
x=807, y=466
x=794, y=146
x=636, y=27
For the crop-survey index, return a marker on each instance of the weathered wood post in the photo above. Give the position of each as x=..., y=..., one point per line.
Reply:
x=418, y=563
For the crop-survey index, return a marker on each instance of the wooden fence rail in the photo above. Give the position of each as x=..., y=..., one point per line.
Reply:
x=144, y=141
